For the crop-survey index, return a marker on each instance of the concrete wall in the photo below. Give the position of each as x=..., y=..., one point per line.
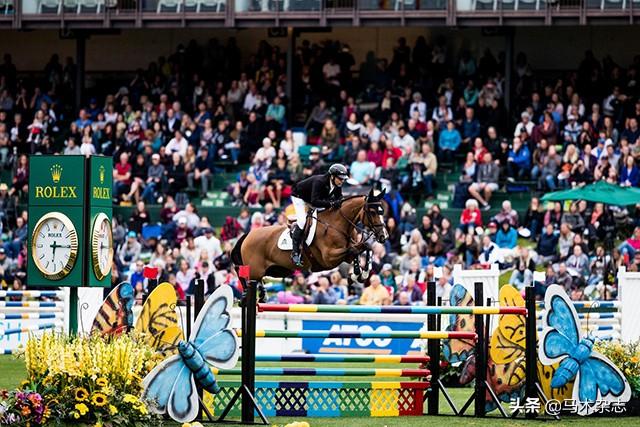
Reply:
x=547, y=48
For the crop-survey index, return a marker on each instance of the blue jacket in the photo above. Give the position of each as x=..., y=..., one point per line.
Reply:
x=633, y=177
x=449, y=139
x=548, y=244
x=507, y=240
x=522, y=158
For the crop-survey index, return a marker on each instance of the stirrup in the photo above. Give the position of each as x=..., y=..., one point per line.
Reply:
x=296, y=259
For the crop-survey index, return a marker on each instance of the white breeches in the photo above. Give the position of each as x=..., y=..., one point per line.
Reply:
x=301, y=211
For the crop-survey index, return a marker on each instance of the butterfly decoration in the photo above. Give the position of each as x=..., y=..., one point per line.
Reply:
x=115, y=316
x=158, y=320
x=596, y=377
x=505, y=362
x=171, y=385
x=459, y=350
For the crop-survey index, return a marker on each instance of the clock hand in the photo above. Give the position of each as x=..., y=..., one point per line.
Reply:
x=54, y=246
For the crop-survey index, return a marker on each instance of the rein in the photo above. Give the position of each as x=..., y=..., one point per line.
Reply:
x=353, y=224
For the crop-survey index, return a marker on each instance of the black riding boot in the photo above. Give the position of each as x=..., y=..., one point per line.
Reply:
x=296, y=237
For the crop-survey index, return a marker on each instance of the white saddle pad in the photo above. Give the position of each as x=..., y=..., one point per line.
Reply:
x=285, y=241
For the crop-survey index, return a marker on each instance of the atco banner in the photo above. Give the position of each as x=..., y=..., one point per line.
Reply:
x=362, y=345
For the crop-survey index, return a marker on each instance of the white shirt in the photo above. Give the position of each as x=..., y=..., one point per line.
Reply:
x=406, y=143
x=178, y=145
x=87, y=149
x=421, y=108
x=250, y=101
x=212, y=246
x=520, y=126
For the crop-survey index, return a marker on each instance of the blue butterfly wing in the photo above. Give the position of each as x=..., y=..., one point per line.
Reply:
x=560, y=335
x=183, y=400
x=557, y=345
x=158, y=383
x=562, y=319
x=211, y=334
x=598, y=378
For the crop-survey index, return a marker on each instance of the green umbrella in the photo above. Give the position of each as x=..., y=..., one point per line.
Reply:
x=598, y=192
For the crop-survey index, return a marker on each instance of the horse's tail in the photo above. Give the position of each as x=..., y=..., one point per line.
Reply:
x=236, y=252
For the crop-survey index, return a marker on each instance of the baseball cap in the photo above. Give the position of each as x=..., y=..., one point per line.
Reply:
x=386, y=267
x=132, y=234
x=2, y=251
x=208, y=230
x=315, y=150
x=182, y=220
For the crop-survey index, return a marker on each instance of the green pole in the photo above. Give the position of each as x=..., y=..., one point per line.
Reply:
x=73, y=310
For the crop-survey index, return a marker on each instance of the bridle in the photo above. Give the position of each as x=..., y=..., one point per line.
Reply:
x=370, y=230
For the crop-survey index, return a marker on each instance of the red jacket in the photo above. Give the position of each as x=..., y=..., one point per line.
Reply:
x=471, y=217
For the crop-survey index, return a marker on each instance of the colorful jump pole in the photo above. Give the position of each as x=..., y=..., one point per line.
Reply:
x=356, y=334
x=340, y=358
x=361, y=309
x=29, y=328
x=433, y=346
x=329, y=372
x=481, y=356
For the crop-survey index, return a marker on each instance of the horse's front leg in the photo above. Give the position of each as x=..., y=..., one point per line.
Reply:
x=367, y=265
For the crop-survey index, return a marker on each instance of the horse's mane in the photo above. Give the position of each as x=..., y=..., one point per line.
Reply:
x=353, y=196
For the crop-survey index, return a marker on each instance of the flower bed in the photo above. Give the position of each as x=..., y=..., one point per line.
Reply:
x=91, y=380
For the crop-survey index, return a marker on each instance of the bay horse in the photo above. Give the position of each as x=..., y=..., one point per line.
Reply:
x=336, y=239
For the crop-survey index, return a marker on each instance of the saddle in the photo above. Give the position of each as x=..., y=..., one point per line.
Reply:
x=285, y=242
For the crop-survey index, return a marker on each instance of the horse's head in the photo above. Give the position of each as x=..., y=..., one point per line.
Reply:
x=373, y=217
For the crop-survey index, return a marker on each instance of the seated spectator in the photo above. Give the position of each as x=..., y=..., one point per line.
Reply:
x=361, y=169
x=489, y=252
x=507, y=213
x=521, y=277
x=404, y=141
x=573, y=219
x=486, y=181
x=202, y=172
x=471, y=216
x=330, y=140
x=470, y=128
x=549, y=169
x=449, y=141
x=375, y=293
x=318, y=116
x=629, y=173
x=129, y=252
x=631, y=245
x=325, y=293
x=178, y=144
x=411, y=289
x=525, y=125
x=122, y=177
x=579, y=175
x=578, y=262
x=506, y=237
x=547, y=247
x=533, y=220
x=518, y=162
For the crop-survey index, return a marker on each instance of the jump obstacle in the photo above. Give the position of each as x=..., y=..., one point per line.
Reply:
x=332, y=399
x=26, y=312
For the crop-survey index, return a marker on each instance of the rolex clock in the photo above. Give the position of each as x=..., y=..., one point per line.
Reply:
x=101, y=246
x=54, y=245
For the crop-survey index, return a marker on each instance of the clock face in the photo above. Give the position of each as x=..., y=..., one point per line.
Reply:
x=54, y=245
x=101, y=246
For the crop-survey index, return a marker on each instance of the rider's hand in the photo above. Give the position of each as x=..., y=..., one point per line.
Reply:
x=336, y=204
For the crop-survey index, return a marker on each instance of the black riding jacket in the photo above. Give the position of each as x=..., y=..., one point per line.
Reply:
x=315, y=190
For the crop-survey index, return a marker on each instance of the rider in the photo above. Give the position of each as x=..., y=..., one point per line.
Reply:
x=319, y=191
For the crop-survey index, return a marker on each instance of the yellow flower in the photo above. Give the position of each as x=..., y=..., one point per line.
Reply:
x=24, y=384
x=186, y=425
x=113, y=410
x=143, y=409
x=98, y=424
x=82, y=408
x=102, y=382
x=81, y=394
x=196, y=424
x=76, y=415
x=99, y=399
x=130, y=398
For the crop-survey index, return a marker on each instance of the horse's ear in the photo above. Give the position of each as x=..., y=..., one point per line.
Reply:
x=382, y=193
x=370, y=195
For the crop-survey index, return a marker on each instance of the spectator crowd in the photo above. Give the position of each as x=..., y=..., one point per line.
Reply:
x=397, y=124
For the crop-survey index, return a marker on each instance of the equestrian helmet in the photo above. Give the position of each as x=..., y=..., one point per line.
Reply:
x=339, y=170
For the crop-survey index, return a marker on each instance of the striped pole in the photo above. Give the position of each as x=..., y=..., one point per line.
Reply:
x=312, y=308
x=329, y=372
x=31, y=316
x=434, y=335
x=32, y=294
x=29, y=328
x=340, y=358
x=590, y=304
x=32, y=304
